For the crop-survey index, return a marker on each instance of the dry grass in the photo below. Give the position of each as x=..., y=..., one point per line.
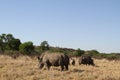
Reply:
x=26, y=68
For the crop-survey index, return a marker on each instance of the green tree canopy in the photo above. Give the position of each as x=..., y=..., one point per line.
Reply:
x=92, y=52
x=14, y=44
x=8, y=42
x=79, y=52
x=44, y=46
x=26, y=47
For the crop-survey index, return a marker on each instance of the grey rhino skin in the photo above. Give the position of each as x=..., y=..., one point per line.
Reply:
x=87, y=60
x=53, y=59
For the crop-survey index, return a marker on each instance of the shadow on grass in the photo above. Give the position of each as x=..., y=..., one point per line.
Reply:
x=69, y=71
x=77, y=70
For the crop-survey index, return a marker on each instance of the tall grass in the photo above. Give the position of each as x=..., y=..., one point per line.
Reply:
x=26, y=68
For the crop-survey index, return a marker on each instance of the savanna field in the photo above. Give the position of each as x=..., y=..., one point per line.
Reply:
x=26, y=68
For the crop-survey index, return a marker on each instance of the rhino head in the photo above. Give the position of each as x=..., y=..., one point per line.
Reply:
x=41, y=64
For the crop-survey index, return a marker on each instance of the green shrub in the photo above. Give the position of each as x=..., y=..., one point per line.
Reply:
x=26, y=48
x=79, y=52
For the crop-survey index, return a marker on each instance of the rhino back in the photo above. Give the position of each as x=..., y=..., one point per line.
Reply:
x=53, y=58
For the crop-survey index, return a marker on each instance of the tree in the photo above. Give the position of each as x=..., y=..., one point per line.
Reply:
x=44, y=46
x=8, y=42
x=14, y=44
x=92, y=52
x=6, y=37
x=1, y=45
x=26, y=47
x=4, y=41
x=79, y=52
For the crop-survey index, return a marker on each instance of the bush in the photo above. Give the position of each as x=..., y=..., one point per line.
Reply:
x=79, y=52
x=92, y=53
x=26, y=48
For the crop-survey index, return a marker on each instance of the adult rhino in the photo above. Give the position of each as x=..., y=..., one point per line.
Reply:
x=87, y=60
x=53, y=59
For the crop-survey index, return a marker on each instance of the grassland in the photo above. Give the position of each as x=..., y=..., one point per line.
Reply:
x=26, y=68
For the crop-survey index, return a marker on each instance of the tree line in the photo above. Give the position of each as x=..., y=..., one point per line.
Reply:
x=11, y=45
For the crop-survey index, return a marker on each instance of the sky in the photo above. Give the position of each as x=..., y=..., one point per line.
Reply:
x=84, y=24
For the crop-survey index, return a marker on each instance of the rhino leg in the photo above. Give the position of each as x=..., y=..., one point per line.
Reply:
x=79, y=63
x=48, y=65
x=66, y=66
x=62, y=67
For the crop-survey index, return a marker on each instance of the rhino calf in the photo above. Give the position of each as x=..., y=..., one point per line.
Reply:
x=53, y=59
